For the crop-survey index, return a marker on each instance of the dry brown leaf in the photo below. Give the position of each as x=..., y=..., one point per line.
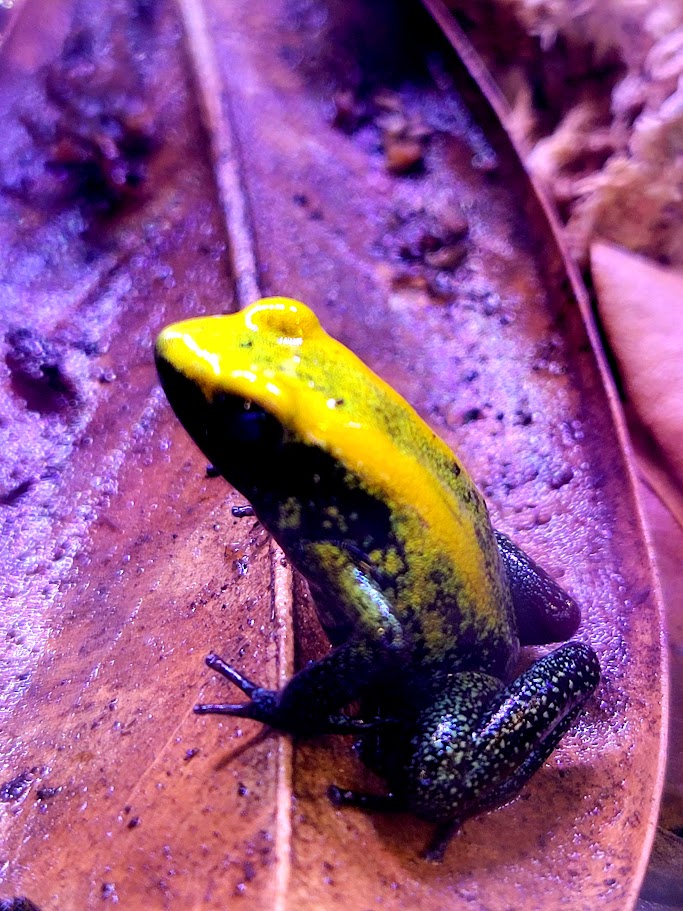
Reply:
x=639, y=303
x=663, y=885
x=667, y=535
x=121, y=563
x=598, y=102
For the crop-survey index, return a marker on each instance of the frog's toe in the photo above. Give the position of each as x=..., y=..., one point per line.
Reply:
x=230, y=673
x=435, y=850
x=263, y=708
x=239, y=709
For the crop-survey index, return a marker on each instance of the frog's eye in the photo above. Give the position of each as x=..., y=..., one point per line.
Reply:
x=241, y=421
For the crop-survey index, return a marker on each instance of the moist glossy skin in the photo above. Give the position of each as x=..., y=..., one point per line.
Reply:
x=424, y=602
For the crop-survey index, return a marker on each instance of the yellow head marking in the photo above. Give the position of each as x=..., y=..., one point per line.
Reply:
x=275, y=353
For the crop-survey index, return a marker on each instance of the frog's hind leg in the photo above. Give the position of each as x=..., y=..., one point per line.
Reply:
x=508, y=789
x=544, y=611
x=475, y=750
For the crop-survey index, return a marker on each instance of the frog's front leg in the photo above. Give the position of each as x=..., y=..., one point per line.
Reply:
x=310, y=702
x=475, y=744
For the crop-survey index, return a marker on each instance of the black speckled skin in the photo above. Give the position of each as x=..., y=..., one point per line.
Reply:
x=478, y=744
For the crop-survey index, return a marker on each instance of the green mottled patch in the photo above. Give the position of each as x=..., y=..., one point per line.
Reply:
x=289, y=518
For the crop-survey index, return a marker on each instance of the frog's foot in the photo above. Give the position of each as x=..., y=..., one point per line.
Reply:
x=440, y=840
x=269, y=707
x=262, y=705
x=393, y=803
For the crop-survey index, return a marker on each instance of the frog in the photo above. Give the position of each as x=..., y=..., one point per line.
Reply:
x=426, y=605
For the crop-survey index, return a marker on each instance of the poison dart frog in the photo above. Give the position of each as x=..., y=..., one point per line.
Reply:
x=425, y=605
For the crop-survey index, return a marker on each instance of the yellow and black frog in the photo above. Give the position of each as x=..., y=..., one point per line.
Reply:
x=425, y=604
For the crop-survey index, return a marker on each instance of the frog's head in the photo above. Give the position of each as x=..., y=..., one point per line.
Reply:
x=266, y=392
x=240, y=384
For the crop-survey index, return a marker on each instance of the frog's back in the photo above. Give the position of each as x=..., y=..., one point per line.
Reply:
x=452, y=585
x=446, y=573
